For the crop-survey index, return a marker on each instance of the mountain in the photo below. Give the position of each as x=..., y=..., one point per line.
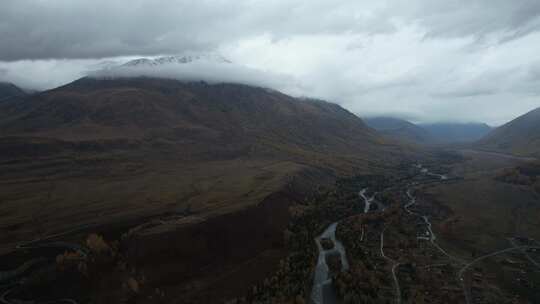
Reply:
x=456, y=132
x=131, y=148
x=136, y=108
x=399, y=129
x=9, y=90
x=171, y=60
x=213, y=165
x=520, y=136
x=436, y=133
x=196, y=180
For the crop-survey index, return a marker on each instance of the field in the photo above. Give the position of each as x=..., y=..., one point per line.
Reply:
x=488, y=215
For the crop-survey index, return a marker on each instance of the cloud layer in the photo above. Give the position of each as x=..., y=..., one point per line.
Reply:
x=454, y=60
x=201, y=69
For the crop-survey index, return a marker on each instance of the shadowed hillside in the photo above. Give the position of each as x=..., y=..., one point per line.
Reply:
x=9, y=90
x=520, y=136
x=132, y=148
x=139, y=109
x=166, y=162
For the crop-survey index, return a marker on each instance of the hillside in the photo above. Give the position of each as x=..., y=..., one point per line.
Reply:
x=171, y=163
x=9, y=90
x=91, y=109
x=127, y=149
x=520, y=136
x=399, y=129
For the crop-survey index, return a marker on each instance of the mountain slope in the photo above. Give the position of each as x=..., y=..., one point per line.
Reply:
x=128, y=149
x=399, y=129
x=9, y=90
x=197, y=181
x=520, y=136
x=138, y=108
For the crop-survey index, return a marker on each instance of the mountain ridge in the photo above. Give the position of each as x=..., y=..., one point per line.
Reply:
x=9, y=90
x=399, y=129
x=130, y=148
x=427, y=134
x=520, y=136
x=147, y=103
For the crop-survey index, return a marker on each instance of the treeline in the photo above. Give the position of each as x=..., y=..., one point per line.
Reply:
x=527, y=175
x=293, y=282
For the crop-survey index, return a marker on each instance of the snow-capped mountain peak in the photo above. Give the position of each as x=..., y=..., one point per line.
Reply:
x=179, y=59
x=139, y=62
x=210, y=68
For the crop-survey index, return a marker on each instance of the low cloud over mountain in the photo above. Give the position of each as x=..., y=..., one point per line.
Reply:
x=420, y=60
x=209, y=68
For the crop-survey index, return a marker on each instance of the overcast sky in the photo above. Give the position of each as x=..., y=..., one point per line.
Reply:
x=424, y=60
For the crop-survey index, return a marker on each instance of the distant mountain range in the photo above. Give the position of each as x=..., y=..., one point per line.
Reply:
x=437, y=133
x=400, y=129
x=520, y=136
x=457, y=132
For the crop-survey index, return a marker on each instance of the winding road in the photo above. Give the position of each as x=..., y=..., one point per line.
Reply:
x=466, y=265
x=15, y=277
x=462, y=271
x=525, y=253
x=412, y=201
x=367, y=201
x=394, y=266
x=10, y=275
x=431, y=237
x=4, y=299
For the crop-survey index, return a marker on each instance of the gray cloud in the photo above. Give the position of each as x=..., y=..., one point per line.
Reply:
x=202, y=69
x=455, y=18
x=533, y=71
x=470, y=92
x=33, y=29
x=453, y=60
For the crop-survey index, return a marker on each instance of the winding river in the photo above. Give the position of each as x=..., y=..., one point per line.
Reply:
x=322, y=291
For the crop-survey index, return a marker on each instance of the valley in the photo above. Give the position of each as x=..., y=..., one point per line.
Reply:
x=269, y=152
x=392, y=238
x=209, y=200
